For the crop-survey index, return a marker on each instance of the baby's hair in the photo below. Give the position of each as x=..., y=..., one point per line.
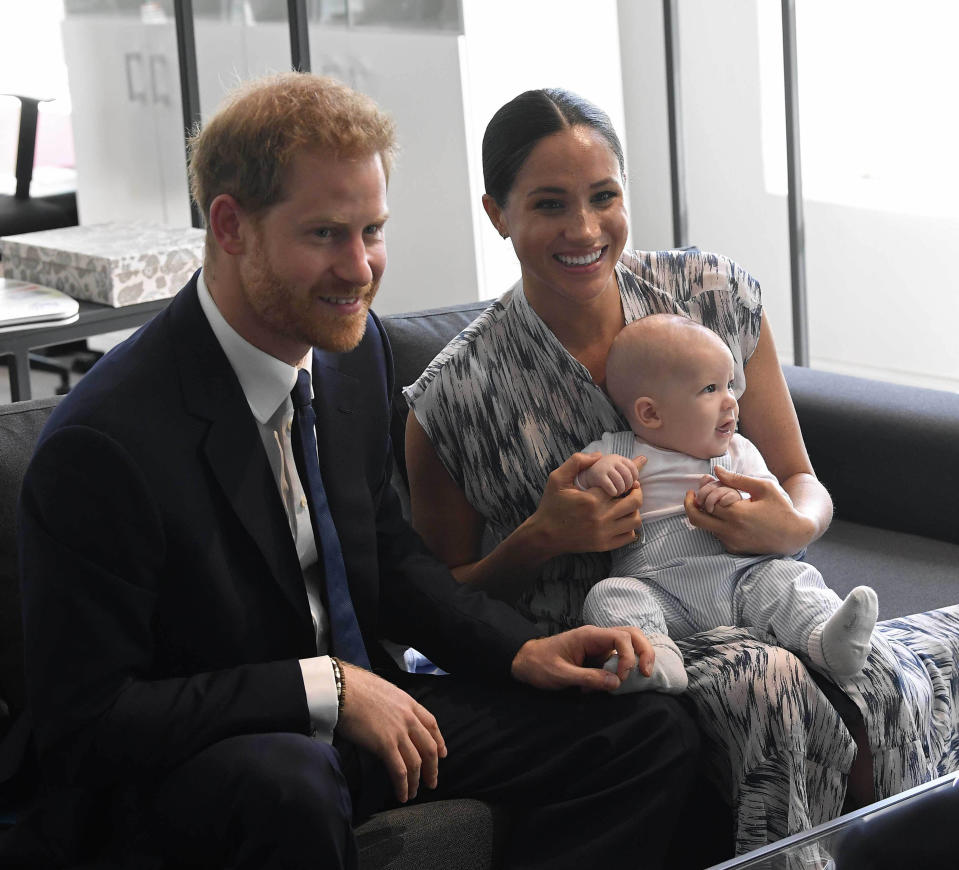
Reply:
x=648, y=351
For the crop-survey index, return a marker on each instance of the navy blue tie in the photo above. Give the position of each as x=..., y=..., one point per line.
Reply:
x=346, y=639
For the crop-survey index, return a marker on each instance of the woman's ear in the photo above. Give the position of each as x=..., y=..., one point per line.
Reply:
x=646, y=413
x=227, y=223
x=495, y=214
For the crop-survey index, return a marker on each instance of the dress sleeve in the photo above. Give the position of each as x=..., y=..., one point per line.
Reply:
x=745, y=300
x=451, y=399
x=710, y=288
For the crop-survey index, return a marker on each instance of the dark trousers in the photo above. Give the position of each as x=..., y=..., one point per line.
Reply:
x=590, y=780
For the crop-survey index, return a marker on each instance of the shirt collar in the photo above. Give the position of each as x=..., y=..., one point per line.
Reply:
x=265, y=380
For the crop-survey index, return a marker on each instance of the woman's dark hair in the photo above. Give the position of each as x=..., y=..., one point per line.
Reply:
x=516, y=128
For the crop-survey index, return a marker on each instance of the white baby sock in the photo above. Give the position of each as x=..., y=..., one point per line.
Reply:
x=841, y=644
x=669, y=673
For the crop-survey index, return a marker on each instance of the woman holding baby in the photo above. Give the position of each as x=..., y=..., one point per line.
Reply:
x=493, y=445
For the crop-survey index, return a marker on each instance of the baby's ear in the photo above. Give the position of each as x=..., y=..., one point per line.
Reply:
x=646, y=413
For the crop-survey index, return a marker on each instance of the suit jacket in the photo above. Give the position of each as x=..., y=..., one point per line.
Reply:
x=164, y=606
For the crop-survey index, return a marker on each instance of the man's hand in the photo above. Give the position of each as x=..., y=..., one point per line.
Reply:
x=389, y=723
x=613, y=474
x=560, y=661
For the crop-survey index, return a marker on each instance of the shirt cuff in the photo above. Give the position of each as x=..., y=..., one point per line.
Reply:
x=320, y=695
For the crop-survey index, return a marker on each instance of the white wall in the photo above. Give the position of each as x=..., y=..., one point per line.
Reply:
x=511, y=46
x=643, y=59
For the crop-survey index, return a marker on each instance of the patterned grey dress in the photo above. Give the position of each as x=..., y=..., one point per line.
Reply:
x=504, y=404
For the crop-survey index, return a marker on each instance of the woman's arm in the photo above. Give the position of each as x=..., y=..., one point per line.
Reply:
x=567, y=520
x=767, y=523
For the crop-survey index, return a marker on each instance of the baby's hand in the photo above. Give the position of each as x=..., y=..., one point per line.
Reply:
x=613, y=474
x=713, y=494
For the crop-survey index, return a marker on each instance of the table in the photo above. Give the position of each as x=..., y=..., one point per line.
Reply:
x=917, y=828
x=93, y=319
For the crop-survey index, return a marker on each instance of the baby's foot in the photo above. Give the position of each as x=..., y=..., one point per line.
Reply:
x=669, y=673
x=845, y=638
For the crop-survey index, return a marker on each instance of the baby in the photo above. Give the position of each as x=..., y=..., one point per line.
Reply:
x=672, y=379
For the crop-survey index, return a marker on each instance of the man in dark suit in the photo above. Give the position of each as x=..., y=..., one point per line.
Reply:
x=184, y=628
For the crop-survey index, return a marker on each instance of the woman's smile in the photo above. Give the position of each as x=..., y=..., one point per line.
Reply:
x=581, y=260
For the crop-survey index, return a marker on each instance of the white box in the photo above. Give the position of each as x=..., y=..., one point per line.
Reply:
x=113, y=263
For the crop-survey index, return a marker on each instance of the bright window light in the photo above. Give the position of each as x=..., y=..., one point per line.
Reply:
x=877, y=98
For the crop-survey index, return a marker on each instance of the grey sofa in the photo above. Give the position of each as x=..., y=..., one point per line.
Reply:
x=888, y=454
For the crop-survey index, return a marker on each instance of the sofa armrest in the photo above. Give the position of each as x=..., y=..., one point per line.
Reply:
x=887, y=453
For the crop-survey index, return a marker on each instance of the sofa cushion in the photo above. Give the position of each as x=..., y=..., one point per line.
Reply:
x=457, y=834
x=20, y=425
x=912, y=574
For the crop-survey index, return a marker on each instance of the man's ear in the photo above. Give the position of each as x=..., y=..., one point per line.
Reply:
x=228, y=224
x=495, y=214
x=646, y=413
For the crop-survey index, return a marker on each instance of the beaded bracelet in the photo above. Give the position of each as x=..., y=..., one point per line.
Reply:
x=339, y=678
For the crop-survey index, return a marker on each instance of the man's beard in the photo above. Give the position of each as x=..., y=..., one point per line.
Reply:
x=295, y=314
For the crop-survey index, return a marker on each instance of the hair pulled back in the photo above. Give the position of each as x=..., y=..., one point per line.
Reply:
x=518, y=126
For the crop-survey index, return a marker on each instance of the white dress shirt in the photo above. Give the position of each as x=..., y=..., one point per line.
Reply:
x=266, y=383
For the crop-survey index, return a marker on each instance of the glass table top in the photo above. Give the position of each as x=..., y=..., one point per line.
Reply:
x=896, y=828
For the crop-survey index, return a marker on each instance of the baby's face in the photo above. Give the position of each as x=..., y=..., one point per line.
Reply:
x=697, y=406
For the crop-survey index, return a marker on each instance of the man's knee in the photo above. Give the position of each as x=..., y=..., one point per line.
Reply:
x=251, y=795
x=659, y=726
x=292, y=777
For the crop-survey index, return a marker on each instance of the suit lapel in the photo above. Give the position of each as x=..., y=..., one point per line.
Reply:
x=334, y=391
x=233, y=449
x=341, y=395
x=334, y=402
x=336, y=398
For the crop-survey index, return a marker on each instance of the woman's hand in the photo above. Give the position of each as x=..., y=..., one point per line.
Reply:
x=571, y=520
x=566, y=520
x=766, y=522
x=768, y=419
x=713, y=494
x=613, y=474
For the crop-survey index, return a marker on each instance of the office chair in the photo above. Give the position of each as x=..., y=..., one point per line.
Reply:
x=23, y=213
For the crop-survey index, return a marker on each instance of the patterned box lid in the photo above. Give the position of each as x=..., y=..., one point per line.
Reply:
x=112, y=263
x=114, y=246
